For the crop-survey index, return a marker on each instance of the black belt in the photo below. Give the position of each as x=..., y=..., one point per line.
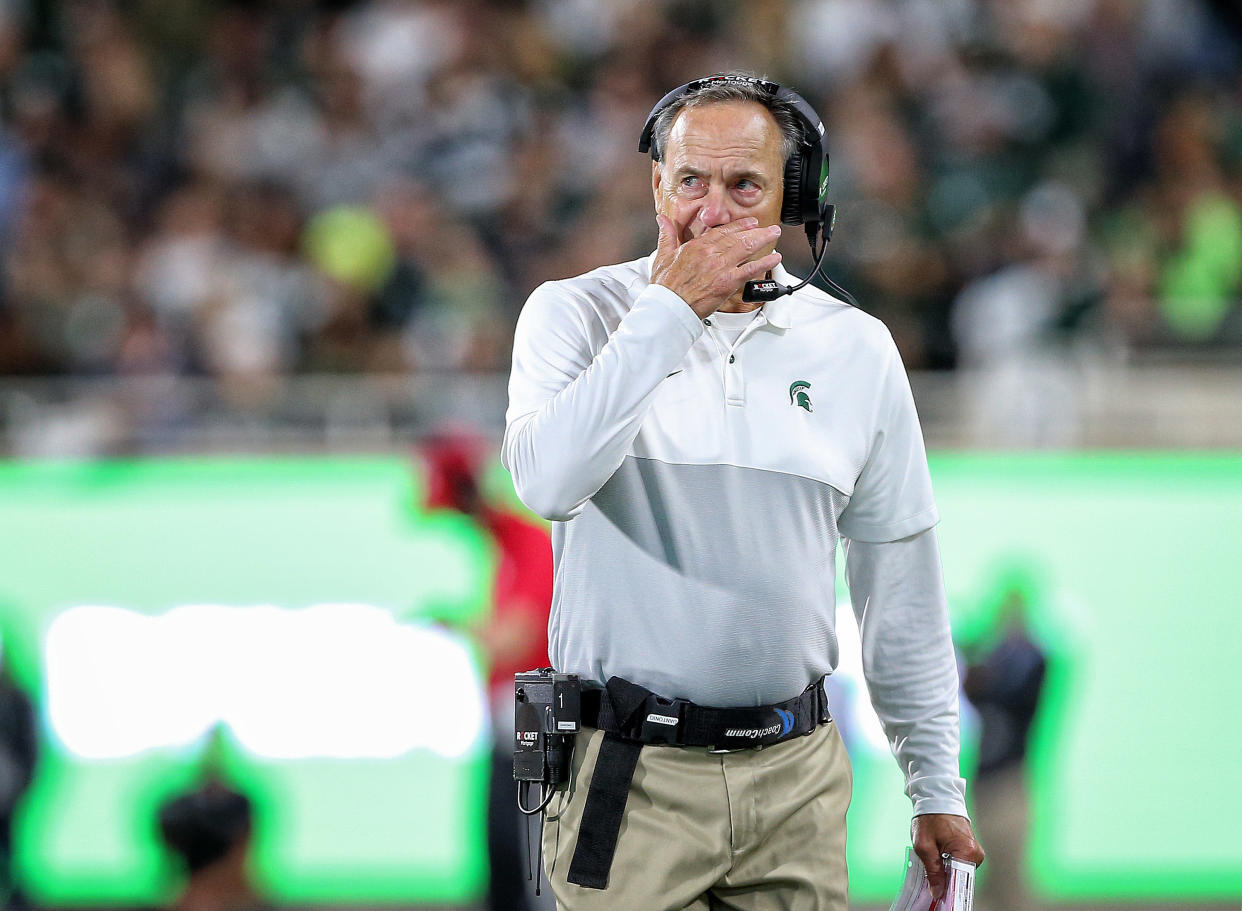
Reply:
x=632, y=717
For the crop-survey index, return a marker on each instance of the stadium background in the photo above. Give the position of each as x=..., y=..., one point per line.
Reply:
x=253, y=252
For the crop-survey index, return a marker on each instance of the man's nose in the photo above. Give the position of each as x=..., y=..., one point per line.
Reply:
x=715, y=210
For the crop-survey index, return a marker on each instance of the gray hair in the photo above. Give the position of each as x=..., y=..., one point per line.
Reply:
x=743, y=89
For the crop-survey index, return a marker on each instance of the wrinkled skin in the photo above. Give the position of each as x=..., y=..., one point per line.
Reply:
x=718, y=192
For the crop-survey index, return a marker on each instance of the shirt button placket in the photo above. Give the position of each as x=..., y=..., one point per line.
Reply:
x=735, y=389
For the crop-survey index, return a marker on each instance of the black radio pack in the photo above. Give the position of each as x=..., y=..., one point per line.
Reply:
x=548, y=713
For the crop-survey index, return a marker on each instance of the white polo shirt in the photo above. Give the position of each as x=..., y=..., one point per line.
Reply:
x=699, y=477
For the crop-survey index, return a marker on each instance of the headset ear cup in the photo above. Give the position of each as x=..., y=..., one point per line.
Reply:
x=815, y=185
x=791, y=205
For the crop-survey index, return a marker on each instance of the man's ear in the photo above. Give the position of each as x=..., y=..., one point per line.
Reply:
x=657, y=177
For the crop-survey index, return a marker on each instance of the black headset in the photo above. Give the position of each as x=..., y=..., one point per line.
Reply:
x=806, y=171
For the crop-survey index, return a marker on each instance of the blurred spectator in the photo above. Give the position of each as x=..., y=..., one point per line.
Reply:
x=514, y=637
x=18, y=752
x=1004, y=682
x=1201, y=266
x=208, y=832
x=1010, y=325
x=178, y=185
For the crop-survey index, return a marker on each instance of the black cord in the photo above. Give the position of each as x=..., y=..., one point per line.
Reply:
x=812, y=230
x=542, y=805
x=539, y=865
x=841, y=292
x=526, y=824
x=761, y=290
x=818, y=270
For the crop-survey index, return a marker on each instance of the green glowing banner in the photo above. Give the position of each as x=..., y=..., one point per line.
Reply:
x=298, y=624
x=285, y=603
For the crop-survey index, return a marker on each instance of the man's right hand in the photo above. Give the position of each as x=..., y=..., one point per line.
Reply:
x=706, y=271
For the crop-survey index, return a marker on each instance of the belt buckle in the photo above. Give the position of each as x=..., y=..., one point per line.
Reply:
x=662, y=720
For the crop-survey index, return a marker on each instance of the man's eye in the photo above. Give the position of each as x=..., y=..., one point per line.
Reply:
x=747, y=185
x=692, y=181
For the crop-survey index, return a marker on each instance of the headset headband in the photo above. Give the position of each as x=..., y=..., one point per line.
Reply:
x=812, y=127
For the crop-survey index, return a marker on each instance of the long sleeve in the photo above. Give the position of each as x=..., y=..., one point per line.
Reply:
x=907, y=652
x=573, y=413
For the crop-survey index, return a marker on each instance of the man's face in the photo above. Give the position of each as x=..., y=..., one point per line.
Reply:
x=722, y=162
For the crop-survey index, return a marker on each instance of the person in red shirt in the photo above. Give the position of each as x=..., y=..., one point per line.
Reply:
x=514, y=636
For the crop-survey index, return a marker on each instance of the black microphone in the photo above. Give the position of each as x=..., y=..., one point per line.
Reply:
x=762, y=290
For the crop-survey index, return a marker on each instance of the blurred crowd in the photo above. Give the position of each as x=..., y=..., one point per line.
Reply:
x=248, y=190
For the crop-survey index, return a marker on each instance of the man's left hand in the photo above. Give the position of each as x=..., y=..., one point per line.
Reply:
x=942, y=833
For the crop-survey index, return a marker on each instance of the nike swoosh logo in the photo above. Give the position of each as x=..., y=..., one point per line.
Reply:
x=675, y=372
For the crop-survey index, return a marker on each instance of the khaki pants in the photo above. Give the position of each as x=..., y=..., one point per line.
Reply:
x=751, y=830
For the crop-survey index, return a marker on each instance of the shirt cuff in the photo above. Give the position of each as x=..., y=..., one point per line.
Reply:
x=939, y=794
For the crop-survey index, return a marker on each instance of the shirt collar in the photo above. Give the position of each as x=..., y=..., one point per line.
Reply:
x=780, y=312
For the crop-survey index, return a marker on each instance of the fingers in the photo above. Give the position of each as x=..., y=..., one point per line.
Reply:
x=706, y=270
x=743, y=235
x=668, y=234
x=733, y=227
x=758, y=238
x=934, y=866
x=733, y=248
x=934, y=834
x=972, y=851
x=755, y=269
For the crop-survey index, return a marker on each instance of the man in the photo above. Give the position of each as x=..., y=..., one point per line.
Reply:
x=700, y=456
x=19, y=754
x=208, y=831
x=1005, y=682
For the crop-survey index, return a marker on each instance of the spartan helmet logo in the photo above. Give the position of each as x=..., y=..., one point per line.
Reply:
x=799, y=396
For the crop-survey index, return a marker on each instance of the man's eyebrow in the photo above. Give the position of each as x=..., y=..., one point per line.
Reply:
x=751, y=174
x=747, y=174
